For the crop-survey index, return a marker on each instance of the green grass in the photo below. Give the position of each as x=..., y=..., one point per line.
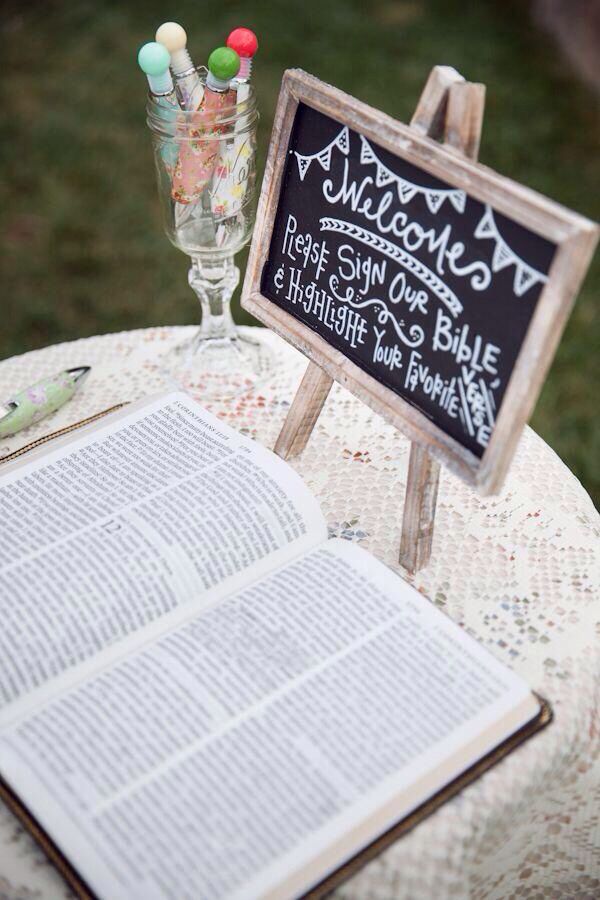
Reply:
x=82, y=247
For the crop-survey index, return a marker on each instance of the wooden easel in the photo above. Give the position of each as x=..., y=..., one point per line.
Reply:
x=450, y=109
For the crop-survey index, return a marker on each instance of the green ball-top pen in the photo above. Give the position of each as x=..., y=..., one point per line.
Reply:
x=39, y=400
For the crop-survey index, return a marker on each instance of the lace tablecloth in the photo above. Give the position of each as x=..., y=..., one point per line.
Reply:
x=519, y=571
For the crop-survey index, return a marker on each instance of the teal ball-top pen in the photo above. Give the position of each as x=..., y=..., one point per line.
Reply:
x=154, y=60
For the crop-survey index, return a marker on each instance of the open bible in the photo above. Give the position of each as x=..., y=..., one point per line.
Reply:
x=201, y=696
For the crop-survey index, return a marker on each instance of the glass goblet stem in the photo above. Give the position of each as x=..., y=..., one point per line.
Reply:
x=213, y=282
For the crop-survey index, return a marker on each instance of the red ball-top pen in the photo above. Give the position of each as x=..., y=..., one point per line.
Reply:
x=245, y=44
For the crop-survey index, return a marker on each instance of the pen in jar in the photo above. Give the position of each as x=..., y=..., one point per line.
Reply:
x=188, y=84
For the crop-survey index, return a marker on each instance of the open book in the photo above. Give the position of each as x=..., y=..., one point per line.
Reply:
x=201, y=696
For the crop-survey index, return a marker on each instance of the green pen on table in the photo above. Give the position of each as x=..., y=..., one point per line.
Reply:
x=40, y=399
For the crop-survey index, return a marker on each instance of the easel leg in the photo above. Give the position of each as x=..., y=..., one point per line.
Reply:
x=419, y=509
x=303, y=412
x=462, y=122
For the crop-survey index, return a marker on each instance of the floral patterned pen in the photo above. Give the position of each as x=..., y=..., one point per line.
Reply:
x=40, y=399
x=198, y=156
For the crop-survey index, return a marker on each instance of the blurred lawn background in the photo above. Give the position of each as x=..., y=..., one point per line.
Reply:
x=83, y=250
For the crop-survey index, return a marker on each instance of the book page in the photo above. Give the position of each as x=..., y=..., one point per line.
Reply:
x=240, y=754
x=128, y=522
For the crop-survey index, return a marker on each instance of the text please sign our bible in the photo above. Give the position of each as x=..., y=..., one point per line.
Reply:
x=422, y=286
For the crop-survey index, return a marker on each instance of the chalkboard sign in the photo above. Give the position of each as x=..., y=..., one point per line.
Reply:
x=425, y=288
x=431, y=287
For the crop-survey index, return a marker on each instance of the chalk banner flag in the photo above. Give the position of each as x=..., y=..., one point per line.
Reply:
x=425, y=288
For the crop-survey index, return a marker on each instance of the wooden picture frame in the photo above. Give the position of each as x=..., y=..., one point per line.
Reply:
x=574, y=236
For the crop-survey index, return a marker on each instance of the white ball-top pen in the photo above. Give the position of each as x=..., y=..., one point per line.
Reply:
x=188, y=84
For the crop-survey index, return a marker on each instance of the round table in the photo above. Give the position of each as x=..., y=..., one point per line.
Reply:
x=520, y=571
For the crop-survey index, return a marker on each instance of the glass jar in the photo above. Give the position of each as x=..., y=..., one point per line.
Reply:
x=206, y=169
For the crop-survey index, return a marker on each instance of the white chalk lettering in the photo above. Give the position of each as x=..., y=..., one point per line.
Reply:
x=303, y=246
x=389, y=356
x=405, y=277
x=481, y=356
x=412, y=235
x=399, y=291
x=354, y=267
x=349, y=324
x=441, y=390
